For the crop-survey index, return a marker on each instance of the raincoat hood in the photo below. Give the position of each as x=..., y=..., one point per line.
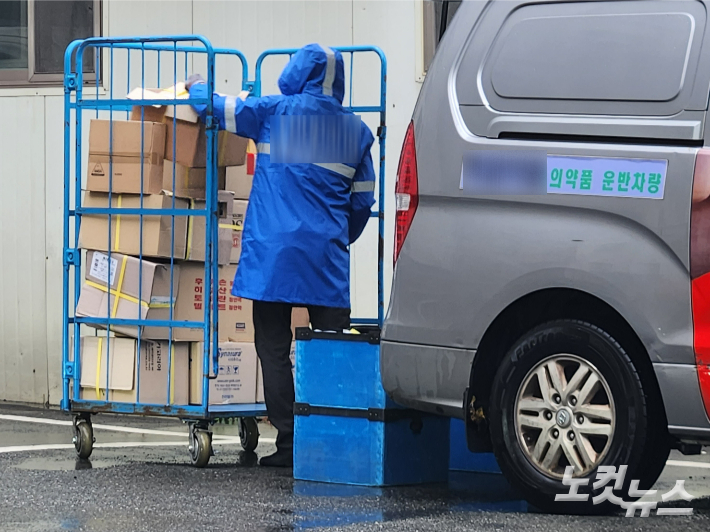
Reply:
x=314, y=69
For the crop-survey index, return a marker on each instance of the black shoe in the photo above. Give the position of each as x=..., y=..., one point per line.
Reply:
x=278, y=459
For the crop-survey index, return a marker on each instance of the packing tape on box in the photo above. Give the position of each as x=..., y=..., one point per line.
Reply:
x=118, y=294
x=232, y=226
x=117, y=240
x=120, y=285
x=132, y=299
x=117, y=291
x=188, y=252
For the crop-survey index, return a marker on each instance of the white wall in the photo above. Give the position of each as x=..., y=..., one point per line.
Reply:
x=31, y=152
x=23, y=304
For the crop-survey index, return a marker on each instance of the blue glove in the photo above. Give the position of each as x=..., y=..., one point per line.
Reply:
x=193, y=80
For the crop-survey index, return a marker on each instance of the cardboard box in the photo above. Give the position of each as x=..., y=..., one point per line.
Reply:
x=236, y=380
x=235, y=314
x=190, y=183
x=299, y=318
x=239, y=212
x=122, y=274
x=125, y=229
x=123, y=373
x=148, y=113
x=239, y=181
x=190, y=137
x=260, y=376
x=156, y=113
x=259, y=383
x=191, y=141
x=120, y=154
x=196, y=230
x=122, y=361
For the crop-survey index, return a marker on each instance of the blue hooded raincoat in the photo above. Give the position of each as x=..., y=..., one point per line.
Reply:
x=301, y=218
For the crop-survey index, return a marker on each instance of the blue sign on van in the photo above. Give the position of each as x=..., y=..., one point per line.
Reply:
x=595, y=176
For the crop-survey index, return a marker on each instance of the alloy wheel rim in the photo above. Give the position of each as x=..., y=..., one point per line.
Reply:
x=565, y=416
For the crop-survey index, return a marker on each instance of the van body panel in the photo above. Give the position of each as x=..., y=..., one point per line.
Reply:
x=468, y=257
x=685, y=126
x=561, y=51
x=448, y=295
x=428, y=378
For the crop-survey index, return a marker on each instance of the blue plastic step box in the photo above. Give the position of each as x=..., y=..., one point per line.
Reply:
x=461, y=459
x=347, y=430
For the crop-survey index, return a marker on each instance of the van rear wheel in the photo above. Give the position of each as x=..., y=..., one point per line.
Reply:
x=567, y=395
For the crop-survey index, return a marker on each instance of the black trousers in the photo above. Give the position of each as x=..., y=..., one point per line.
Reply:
x=273, y=337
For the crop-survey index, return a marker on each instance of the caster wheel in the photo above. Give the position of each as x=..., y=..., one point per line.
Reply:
x=248, y=433
x=200, y=448
x=83, y=439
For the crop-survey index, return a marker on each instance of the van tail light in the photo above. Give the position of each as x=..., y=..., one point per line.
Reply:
x=406, y=190
x=700, y=270
x=701, y=334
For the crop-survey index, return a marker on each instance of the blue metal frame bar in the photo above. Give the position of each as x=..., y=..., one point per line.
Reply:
x=123, y=104
x=133, y=322
x=382, y=136
x=136, y=211
x=191, y=412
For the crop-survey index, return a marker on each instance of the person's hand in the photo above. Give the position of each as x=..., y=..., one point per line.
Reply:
x=193, y=80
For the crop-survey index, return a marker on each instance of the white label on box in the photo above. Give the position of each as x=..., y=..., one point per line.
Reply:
x=100, y=268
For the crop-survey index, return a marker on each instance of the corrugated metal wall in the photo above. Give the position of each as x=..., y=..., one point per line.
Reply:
x=31, y=152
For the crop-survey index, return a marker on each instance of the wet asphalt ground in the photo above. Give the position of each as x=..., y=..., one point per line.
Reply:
x=139, y=478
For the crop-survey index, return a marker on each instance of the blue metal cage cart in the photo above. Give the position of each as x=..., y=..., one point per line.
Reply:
x=99, y=100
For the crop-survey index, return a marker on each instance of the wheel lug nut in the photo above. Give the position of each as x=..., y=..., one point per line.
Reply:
x=580, y=419
x=555, y=433
x=548, y=415
x=573, y=400
x=557, y=399
x=570, y=435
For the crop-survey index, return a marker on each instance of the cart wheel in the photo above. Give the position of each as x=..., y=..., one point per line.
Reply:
x=248, y=433
x=200, y=448
x=83, y=439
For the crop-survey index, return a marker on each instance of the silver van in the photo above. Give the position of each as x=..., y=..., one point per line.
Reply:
x=552, y=277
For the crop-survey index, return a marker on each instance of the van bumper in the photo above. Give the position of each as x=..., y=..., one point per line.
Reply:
x=680, y=388
x=427, y=378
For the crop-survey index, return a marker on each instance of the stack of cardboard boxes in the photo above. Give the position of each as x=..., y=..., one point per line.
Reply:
x=157, y=160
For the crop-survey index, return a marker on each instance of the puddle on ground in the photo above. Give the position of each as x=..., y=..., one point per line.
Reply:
x=247, y=459
x=464, y=492
x=50, y=464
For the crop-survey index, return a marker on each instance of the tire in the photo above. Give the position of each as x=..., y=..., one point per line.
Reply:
x=656, y=452
x=83, y=439
x=201, y=448
x=610, y=431
x=248, y=434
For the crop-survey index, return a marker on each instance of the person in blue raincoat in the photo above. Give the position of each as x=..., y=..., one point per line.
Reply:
x=312, y=194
